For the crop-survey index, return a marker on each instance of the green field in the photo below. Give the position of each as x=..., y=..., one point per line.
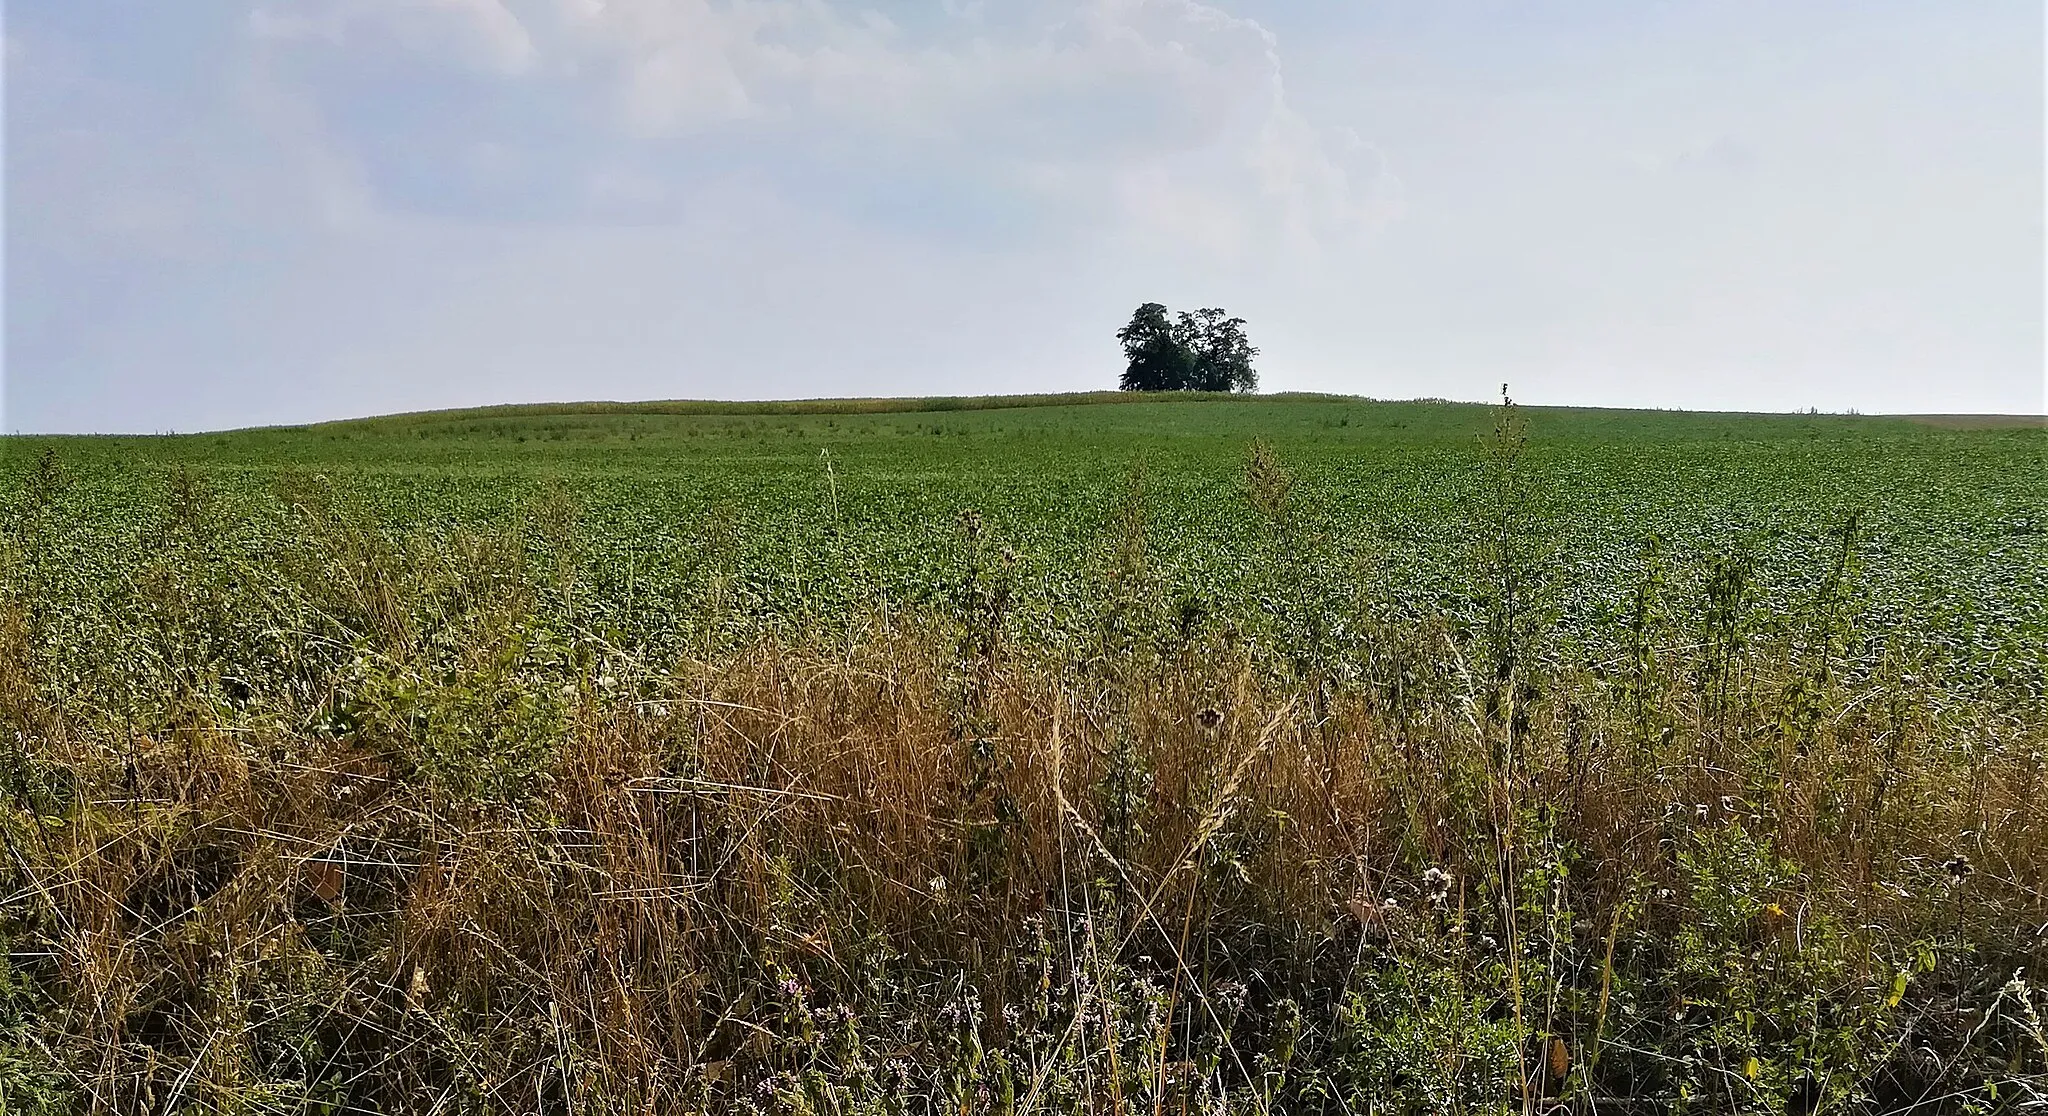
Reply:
x=1048, y=754
x=814, y=517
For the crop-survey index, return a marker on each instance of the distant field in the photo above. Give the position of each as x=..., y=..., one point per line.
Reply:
x=1103, y=754
x=824, y=507
x=1982, y=422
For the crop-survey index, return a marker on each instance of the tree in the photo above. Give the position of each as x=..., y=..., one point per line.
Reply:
x=1155, y=360
x=1222, y=353
x=1200, y=351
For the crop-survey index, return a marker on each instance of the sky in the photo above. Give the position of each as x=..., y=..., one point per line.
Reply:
x=223, y=213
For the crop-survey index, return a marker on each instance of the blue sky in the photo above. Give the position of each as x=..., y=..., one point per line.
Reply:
x=230, y=213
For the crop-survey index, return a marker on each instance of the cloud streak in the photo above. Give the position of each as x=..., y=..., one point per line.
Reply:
x=1137, y=113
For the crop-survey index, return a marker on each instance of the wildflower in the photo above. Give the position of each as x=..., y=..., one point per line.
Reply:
x=1436, y=883
x=1209, y=718
x=1958, y=867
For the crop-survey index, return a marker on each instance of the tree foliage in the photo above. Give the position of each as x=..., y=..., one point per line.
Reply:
x=1203, y=350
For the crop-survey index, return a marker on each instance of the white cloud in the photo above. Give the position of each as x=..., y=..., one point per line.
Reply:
x=1154, y=115
x=480, y=33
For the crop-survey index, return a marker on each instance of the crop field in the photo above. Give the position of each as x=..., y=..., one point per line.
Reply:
x=1103, y=754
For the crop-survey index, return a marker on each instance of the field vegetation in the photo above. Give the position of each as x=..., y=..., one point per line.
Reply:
x=1102, y=754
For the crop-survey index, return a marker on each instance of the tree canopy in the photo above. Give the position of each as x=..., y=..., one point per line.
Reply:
x=1202, y=350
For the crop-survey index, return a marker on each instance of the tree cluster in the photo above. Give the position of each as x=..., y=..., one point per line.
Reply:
x=1205, y=350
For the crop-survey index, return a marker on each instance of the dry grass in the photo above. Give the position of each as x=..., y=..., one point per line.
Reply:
x=717, y=858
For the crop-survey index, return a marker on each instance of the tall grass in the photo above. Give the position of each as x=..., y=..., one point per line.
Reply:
x=377, y=821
